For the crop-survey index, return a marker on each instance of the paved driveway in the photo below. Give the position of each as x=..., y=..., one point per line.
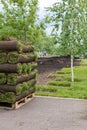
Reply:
x=44, y=113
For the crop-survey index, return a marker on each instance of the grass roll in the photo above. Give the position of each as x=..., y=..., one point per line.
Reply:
x=23, y=48
x=24, y=68
x=19, y=68
x=11, y=68
x=35, y=56
x=12, y=57
x=2, y=78
x=14, y=45
x=8, y=97
x=26, y=57
x=19, y=89
x=25, y=87
x=12, y=79
x=3, y=58
x=22, y=88
x=31, y=66
x=31, y=82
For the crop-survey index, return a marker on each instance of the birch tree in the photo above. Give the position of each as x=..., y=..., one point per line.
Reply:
x=69, y=20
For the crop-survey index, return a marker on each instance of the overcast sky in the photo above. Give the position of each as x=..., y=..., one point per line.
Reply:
x=42, y=5
x=45, y=3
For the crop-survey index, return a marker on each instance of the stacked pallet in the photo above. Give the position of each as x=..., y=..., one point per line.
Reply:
x=17, y=70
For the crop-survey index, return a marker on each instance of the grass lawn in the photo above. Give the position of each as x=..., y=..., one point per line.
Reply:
x=62, y=86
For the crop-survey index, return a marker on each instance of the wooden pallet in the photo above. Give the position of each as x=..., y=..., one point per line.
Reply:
x=18, y=103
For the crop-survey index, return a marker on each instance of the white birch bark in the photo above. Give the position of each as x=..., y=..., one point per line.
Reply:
x=72, y=69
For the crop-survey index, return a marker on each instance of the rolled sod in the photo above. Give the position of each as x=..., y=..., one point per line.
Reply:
x=26, y=57
x=31, y=66
x=14, y=79
x=13, y=45
x=2, y=78
x=18, y=89
x=31, y=82
x=18, y=97
x=11, y=68
x=8, y=45
x=27, y=49
x=3, y=58
x=25, y=88
x=8, y=97
x=17, y=68
x=24, y=68
x=14, y=57
x=35, y=56
x=23, y=48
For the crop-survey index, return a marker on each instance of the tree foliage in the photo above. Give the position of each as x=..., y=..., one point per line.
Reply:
x=48, y=45
x=69, y=19
x=19, y=19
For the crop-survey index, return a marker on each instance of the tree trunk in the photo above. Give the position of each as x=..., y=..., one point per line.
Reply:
x=72, y=69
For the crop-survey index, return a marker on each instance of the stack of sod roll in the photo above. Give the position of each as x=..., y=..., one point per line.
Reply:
x=17, y=70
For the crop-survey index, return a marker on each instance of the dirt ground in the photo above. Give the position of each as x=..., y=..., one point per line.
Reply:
x=43, y=78
x=48, y=65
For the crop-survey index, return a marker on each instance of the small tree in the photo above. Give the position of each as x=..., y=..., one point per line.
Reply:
x=70, y=17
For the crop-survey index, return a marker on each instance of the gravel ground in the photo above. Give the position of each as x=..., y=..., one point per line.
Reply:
x=43, y=113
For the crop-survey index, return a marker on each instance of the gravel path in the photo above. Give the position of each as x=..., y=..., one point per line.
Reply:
x=44, y=113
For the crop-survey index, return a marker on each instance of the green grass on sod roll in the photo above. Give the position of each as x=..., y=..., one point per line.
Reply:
x=24, y=68
x=8, y=97
x=12, y=79
x=20, y=47
x=2, y=78
x=3, y=58
x=19, y=89
x=19, y=67
x=35, y=56
x=12, y=57
x=31, y=66
x=25, y=87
